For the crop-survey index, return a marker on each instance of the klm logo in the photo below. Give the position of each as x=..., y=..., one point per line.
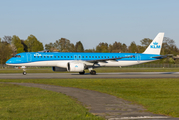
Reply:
x=37, y=54
x=76, y=66
x=155, y=45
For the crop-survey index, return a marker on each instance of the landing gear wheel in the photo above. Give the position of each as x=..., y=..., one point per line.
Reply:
x=24, y=73
x=93, y=72
x=82, y=73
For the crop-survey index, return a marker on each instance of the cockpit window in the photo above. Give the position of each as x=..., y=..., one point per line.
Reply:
x=17, y=56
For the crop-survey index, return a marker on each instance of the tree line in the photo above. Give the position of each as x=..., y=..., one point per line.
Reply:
x=9, y=46
x=64, y=45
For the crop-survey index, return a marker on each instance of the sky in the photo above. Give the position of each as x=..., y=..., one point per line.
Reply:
x=90, y=21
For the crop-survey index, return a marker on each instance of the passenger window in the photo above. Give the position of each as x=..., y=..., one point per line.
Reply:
x=83, y=56
x=54, y=56
x=34, y=56
x=101, y=56
x=38, y=56
x=47, y=56
x=79, y=56
x=51, y=56
x=41, y=56
x=68, y=56
x=58, y=56
x=61, y=56
x=44, y=56
x=89, y=56
x=108, y=56
x=95, y=56
x=71, y=56
x=104, y=56
x=64, y=56
x=98, y=56
x=86, y=56
x=92, y=56
x=75, y=56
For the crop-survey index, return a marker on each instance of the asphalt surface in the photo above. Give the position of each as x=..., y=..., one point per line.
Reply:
x=108, y=106
x=87, y=75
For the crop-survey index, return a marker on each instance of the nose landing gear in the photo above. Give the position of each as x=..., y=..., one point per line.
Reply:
x=24, y=71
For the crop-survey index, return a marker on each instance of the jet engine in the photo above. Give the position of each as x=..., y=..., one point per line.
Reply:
x=58, y=69
x=75, y=67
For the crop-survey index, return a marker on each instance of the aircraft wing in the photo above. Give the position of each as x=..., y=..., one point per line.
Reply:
x=110, y=59
x=161, y=56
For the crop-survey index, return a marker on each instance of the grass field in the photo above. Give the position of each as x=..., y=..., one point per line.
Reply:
x=98, y=70
x=25, y=103
x=159, y=96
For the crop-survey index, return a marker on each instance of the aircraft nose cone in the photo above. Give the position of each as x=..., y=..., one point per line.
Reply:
x=9, y=62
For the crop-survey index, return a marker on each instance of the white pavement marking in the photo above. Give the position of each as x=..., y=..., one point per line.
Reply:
x=140, y=117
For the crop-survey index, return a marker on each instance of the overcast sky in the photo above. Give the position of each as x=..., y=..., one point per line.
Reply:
x=90, y=21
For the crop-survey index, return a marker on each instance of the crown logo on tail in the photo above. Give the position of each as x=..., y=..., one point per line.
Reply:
x=155, y=45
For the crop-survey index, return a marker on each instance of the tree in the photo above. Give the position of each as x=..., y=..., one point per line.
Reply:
x=64, y=45
x=33, y=44
x=7, y=39
x=5, y=51
x=50, y=47
x=146, y=42
x=169, y=47
x=79, y=47
x=133, y=47
x=102, y=47
x=124, y=48
x=90, y=50
x=16, y=42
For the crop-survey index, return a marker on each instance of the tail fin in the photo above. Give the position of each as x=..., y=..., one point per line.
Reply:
x=156, y=45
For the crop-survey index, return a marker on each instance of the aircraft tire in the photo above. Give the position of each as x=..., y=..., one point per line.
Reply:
x=24, y=73
x=93, y=72
x=82, y=73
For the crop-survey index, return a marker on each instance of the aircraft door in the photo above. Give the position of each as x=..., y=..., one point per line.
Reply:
x=138, y=58
x=77, y=57
x=29, y=57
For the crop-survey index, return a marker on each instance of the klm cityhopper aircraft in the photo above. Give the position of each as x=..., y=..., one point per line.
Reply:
x=78, y=62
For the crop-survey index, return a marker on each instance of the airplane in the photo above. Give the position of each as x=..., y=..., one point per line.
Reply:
x=79, y=61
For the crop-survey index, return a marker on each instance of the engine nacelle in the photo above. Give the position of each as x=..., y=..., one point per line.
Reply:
x=75, y=67
x=58, y=69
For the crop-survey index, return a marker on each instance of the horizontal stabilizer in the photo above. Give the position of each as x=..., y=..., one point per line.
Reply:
x=161, y=56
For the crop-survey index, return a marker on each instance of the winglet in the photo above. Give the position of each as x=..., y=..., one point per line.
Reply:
x=156, y=45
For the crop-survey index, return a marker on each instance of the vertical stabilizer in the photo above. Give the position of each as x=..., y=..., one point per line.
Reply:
x=156, y=45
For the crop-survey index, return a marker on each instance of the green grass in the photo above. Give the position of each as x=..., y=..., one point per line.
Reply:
x=160, y=96
x=26, y=103
x=98, y=70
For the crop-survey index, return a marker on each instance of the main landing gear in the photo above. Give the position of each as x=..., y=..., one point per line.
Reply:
x=93, y=72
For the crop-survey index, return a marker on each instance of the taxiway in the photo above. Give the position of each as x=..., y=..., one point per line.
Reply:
x=87, y=75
